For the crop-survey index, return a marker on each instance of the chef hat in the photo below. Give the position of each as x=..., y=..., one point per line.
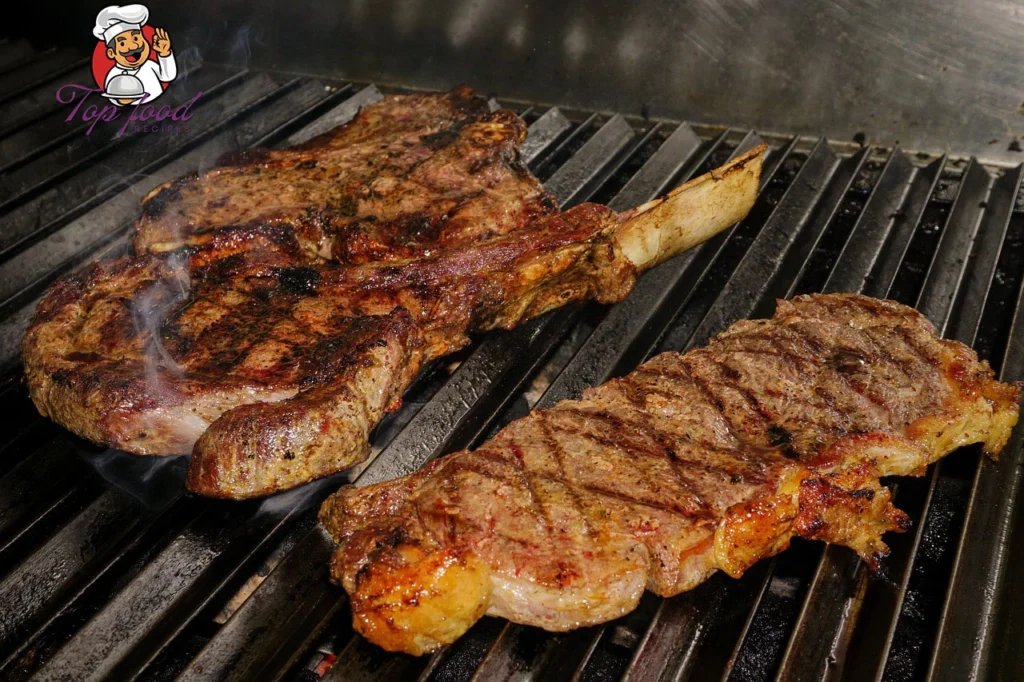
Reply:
x=114, y=20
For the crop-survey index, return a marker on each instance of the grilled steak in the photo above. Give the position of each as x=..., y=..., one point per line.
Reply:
x=705, y=461
x=409, y=175
x=278, y=306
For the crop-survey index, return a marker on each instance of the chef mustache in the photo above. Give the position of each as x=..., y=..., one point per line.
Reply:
x=132, y=55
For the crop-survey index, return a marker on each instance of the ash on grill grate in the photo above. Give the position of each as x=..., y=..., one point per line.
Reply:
x=99, y=580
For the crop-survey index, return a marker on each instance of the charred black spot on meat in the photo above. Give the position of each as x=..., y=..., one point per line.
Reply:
x=439, y=140
x=782, y=439
x=346, y=205
x=243, y=157
x=299, y=281
x=157, y=204
x=690, y=490
x=779, y=436
x=80, y=356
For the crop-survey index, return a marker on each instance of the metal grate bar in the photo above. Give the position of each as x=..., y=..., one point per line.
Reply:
x=47, y=66
x=922, y=189
x=545, y=130
x=946, y=273
x=979, y=561
x=742, y=639
x=14, y=52
x=425, y=436
x=85, y=188
x=673, y=637
x=656, y=656
x=20, y=179
x=41, y=578
x=37, y=265
x=655, y=176
x=549, y=127
x=577, y=178
x=714, y=614
x=339, y=115
x=984, y=257
x=830, y=603
x=277, y=622
x=199, y=545
x=869, y=235
x=983, y=556
x=885, y=606
x=361, y=661
x=563, y=148
x=32, y=486
x=760, y=265
x=39, y=101
x=169, y=590
x=798, y=257
x=593, y=363
x=24, y=431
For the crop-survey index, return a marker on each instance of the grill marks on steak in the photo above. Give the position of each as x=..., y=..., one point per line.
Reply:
x=266, y=322
x=408, y=176
x=705, y=461
x=95, y=362
x=121, y=366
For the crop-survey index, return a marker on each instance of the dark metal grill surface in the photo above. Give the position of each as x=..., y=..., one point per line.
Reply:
x=108, y=570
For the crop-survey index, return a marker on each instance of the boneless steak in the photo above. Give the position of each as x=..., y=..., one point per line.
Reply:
x=696, y=462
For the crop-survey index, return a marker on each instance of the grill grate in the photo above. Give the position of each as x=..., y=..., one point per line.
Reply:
x=107, y=569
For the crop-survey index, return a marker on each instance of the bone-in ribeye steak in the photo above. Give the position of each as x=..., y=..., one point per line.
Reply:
x=277, y=305
x=410, y=175
x=696, y=462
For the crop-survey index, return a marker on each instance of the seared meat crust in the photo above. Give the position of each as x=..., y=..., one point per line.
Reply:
x=705, y=461
x=408, y=176
x=277, y=305
x=138, y=356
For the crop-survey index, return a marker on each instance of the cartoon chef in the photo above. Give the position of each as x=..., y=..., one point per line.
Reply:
x=134, y=78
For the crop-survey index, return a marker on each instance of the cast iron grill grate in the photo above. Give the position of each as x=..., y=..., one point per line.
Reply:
x=107, y=569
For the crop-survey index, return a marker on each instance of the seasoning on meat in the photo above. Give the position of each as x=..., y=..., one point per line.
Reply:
x=277, y=307
x=696, y=462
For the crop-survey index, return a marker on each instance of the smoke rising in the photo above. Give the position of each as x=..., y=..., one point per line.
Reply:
x=153, y=481
x=150, y=309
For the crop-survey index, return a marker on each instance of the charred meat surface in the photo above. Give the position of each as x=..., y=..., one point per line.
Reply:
x=696, y=462
x=270, y=346
x=133, y=354
x=410, y=175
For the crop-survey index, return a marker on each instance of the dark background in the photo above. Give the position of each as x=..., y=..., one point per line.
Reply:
x=934, y=76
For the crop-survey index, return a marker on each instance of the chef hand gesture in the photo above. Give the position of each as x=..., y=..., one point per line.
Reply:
x=161, y=43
